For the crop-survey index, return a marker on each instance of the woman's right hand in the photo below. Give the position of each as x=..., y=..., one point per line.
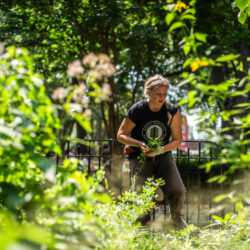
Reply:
x=144, y=148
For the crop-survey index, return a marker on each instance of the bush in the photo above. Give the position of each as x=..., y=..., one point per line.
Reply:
x=47, y=208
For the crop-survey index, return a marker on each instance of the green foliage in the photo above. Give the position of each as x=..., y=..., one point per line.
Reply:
x=209, y=99
x=27, y=123
x=244, y=7
x=153, y=144
x=71, y=206
x=65, y=209
x=22, y=235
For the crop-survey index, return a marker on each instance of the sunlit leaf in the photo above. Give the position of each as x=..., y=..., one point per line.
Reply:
x=188, y=17
x=83, y=121
x=242, y=17
x=188, y=62
x=217, y=218
x=220, y=197
x=186, y=49
x=170, y=17
x=201, y=37
x=242, y=4
x=176, y=26
x=239, y=207
x=227, y=217
x=247, y=104
x=227, y=58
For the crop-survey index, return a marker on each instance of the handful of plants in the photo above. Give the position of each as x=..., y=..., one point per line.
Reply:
x=153, y=144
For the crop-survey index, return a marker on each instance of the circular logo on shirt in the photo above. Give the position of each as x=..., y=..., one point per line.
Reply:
x=154, y=129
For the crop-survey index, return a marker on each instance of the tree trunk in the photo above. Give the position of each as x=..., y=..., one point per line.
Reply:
x=81, y=133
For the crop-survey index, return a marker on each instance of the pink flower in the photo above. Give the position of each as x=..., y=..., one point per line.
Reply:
x=90, y=59
x=59, y=93
x=75, y=69
x=106, y=91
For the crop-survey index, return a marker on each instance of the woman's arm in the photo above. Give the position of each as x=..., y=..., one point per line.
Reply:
x=176, y=131
x=123, y=135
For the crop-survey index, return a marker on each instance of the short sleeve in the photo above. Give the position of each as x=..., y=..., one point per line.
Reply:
x=132, y=114
x=136, y=111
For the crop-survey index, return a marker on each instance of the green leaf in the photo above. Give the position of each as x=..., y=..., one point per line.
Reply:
x=176, y=26
x=227, y=58
x=246, y=104
x=183, y=101
x=242, y=17
x=201, y=37
x=227, y=217
x=242, y=4
x=83, y=121
x=188, y=17
x=45, y=164
x=242, y=81
x=188, y=62
x=239, y=206
x=170, y=17
x=186, y=49
x=191, y=98
x=222, y=178
x=213, y=179
x=221, y=197
x=217, y=218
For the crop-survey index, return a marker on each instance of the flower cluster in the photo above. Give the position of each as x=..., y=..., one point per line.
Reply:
x=75, y=98
x=75, y=69
x=100, y=66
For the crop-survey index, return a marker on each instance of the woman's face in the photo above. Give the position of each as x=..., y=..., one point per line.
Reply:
x=158, y=96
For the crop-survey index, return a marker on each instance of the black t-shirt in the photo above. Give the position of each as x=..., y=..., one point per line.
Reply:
x=150, y=124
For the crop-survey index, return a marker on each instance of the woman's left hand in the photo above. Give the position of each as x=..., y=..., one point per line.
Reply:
x=156, y=152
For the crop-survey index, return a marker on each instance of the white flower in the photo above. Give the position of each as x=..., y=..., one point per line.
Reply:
x=79, y=91
x=106, y=69
x=103, y=58
x=84, y=101
x=87, y=113
x=37, y=81
x=75, y=69
x=106, y=91
x=96, y=74
x=59, y=93
x=14, y=63
x=90, y=59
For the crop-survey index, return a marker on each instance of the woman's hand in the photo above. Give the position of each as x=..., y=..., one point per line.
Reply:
x=144, y=148
x=159, y=151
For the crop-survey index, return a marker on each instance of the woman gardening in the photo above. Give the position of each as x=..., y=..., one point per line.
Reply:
x=145, y=121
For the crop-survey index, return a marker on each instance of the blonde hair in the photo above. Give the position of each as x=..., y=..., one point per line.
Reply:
x=154, y=82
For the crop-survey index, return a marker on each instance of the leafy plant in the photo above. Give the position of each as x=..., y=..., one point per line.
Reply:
x=44, y=207
x=153, y=144
x=209, y=99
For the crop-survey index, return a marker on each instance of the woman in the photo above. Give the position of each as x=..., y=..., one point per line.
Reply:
x=151, y=118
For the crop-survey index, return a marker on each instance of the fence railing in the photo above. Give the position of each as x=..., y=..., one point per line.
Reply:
x=98, y=154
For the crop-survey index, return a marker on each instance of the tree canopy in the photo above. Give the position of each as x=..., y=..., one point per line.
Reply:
x=80, y=53
x=141, y=37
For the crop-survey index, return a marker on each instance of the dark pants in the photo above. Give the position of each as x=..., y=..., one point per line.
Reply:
x=166, y=169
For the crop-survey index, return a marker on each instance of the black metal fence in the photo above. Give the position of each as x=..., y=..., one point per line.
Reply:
x=98, y=154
